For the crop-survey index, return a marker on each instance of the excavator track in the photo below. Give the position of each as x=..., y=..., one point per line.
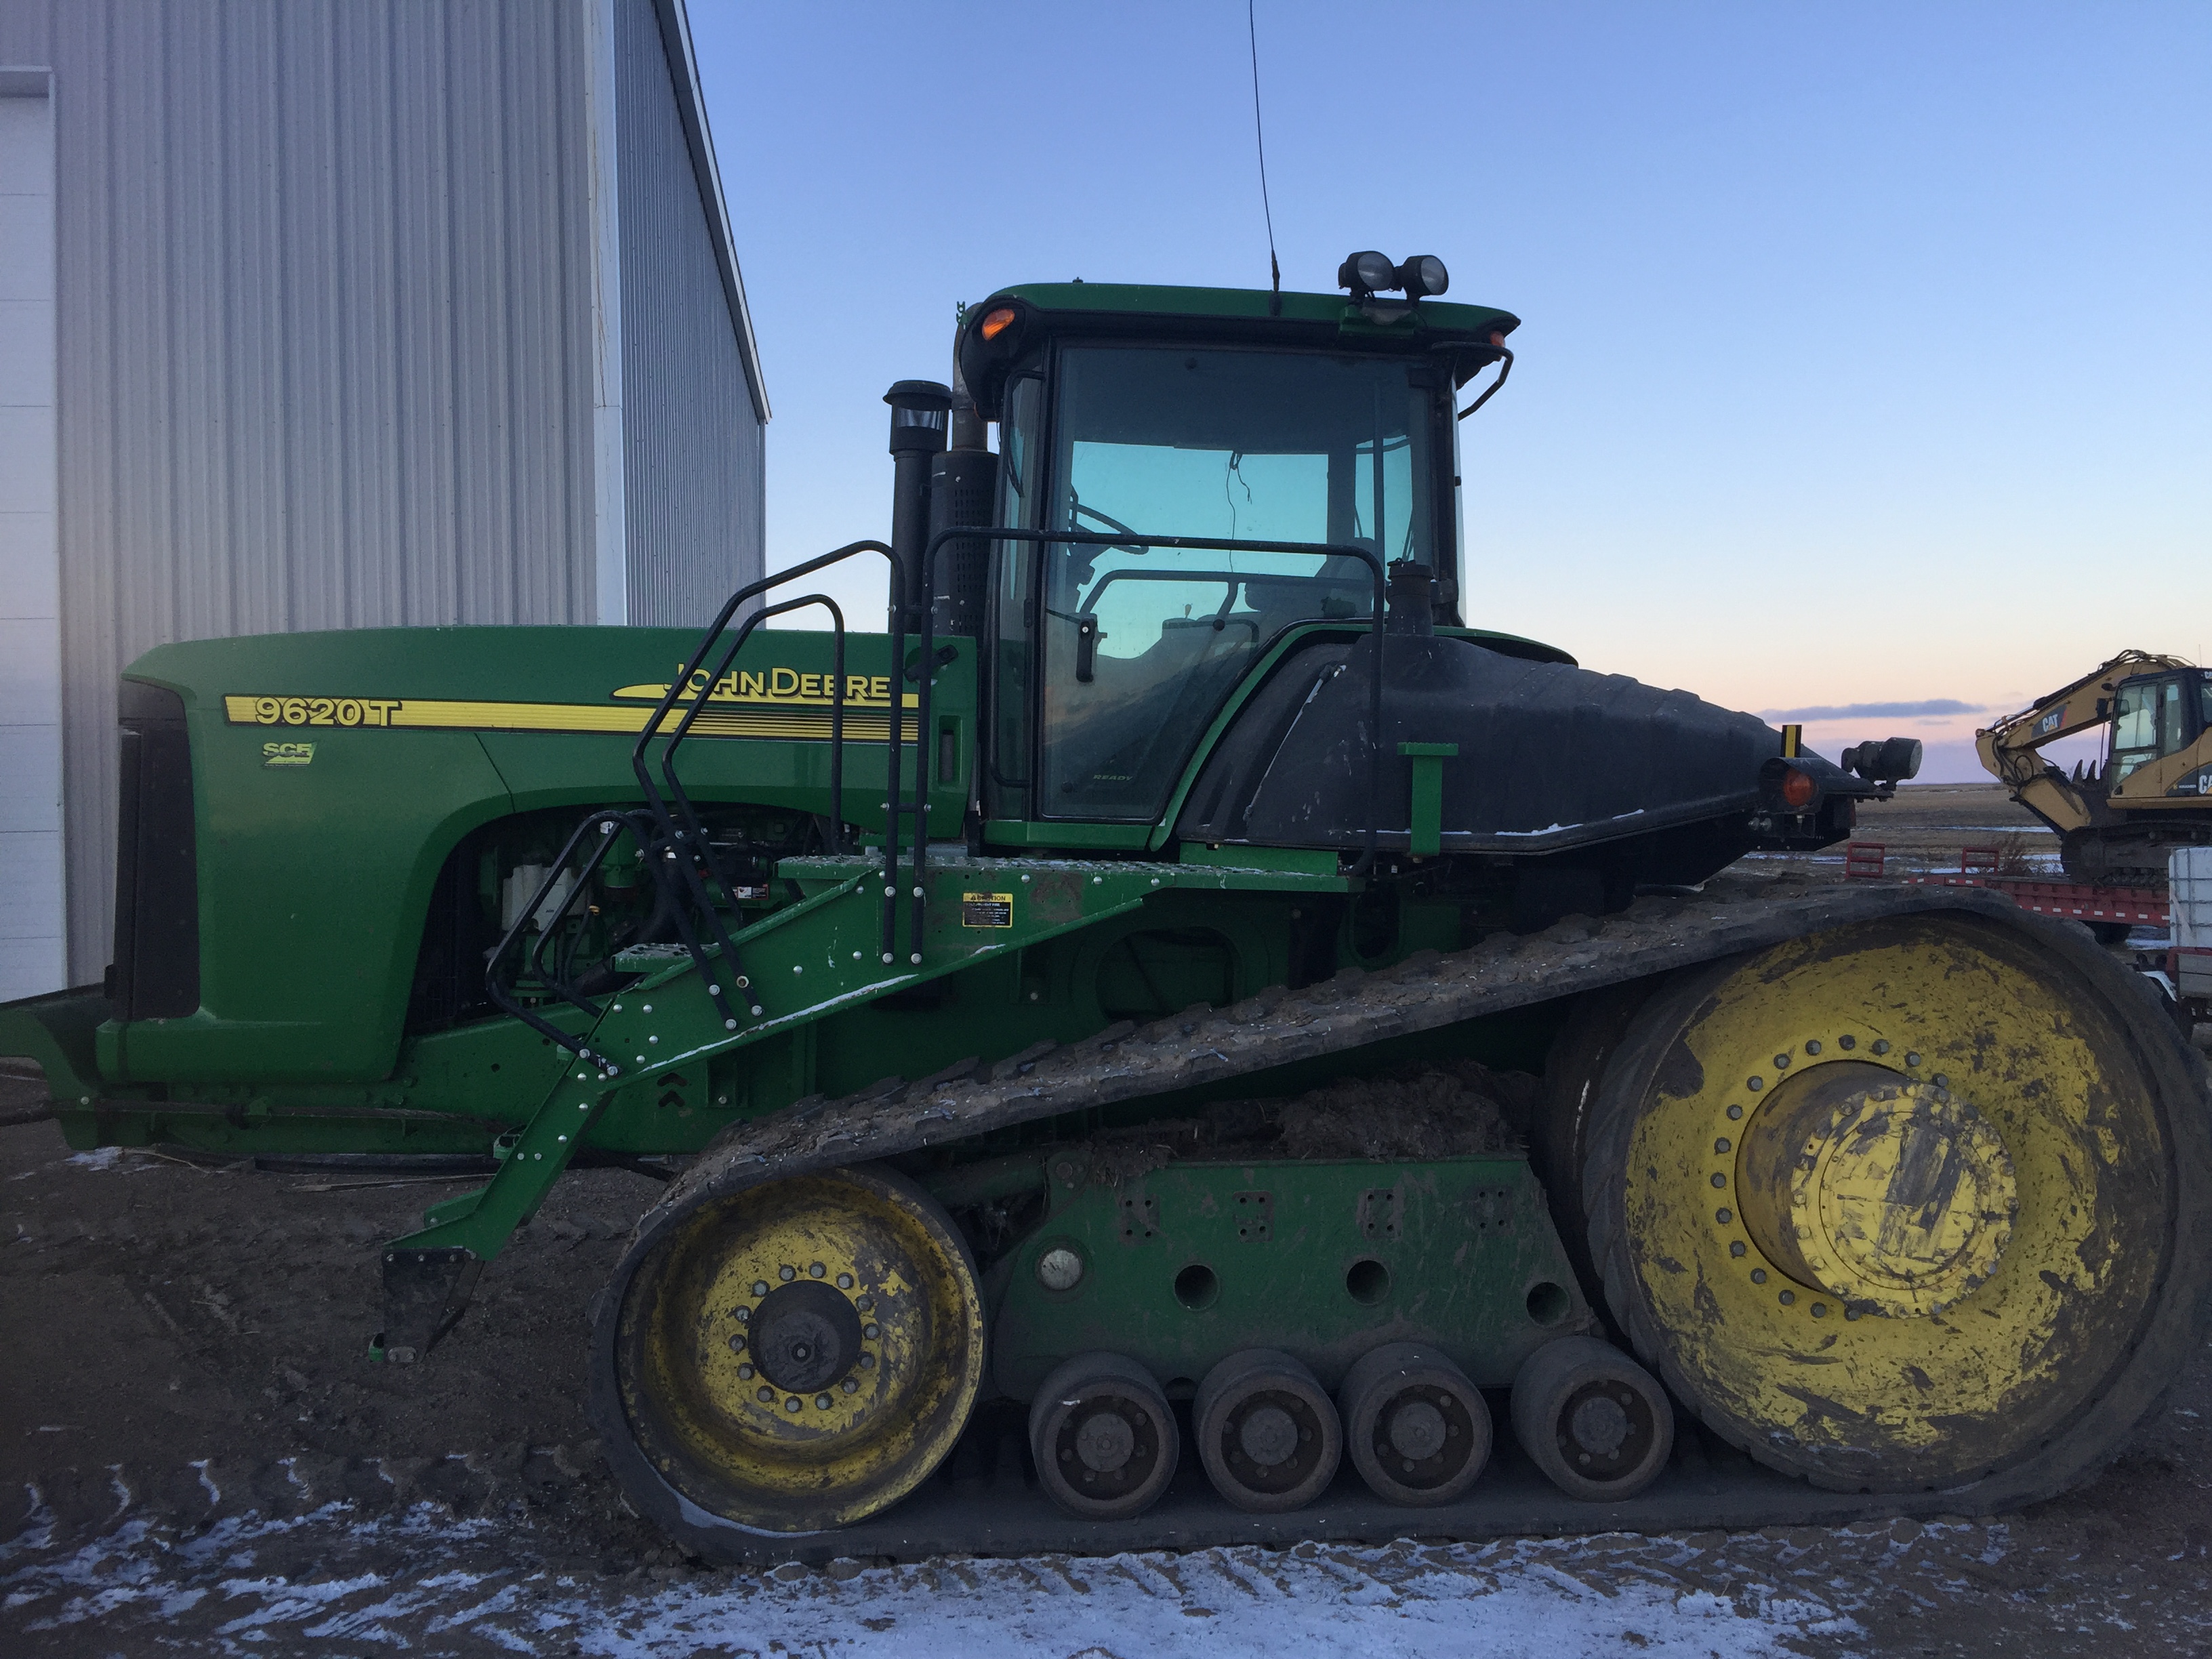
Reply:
x=983, y=1499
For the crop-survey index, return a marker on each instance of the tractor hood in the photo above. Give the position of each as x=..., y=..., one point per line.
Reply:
x=1536, y=758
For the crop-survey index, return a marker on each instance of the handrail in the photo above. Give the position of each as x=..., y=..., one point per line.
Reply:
x=836, y=713
x=664, y=841
x=685, y=858
x=1087, y=538
x=658, y=806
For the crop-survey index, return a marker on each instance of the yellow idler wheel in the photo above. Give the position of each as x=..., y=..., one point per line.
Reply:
x=1894, y=1207
x=802, y=1354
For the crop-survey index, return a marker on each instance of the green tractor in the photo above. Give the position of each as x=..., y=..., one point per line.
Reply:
x=1183, y=1015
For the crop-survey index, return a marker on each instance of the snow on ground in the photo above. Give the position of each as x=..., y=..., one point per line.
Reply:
x=426, y=1584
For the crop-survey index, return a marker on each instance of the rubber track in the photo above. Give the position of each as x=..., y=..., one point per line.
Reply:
x=1426, y=991
x=1125, y=1063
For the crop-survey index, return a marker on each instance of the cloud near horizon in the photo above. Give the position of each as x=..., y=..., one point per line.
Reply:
x=1852, y=711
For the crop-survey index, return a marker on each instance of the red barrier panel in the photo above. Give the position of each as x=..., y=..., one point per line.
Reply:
x=2138, y=907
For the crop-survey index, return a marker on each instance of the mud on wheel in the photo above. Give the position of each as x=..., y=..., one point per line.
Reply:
x=1904, y=1205
x=795, y=1356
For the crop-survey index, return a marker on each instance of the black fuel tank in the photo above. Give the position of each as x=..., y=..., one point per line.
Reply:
x=1550, y=757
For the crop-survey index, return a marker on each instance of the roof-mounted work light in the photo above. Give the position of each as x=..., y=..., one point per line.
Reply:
x=1423, y=276
x=1367, y=273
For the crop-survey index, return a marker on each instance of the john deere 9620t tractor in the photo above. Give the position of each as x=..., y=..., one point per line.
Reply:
x=1183, y=1020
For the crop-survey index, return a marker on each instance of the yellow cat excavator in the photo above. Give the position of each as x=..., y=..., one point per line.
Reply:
x=2115, y=819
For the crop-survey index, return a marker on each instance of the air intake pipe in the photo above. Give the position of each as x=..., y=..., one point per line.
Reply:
x=1413, y=598
x=919, y=412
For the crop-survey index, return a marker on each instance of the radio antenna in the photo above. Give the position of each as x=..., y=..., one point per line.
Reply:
x=1259, y=135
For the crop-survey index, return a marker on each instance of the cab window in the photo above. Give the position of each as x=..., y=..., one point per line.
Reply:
x=1141, y=644
x=2148, y=724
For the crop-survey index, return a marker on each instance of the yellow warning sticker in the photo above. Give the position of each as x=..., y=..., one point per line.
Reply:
x=986, y=910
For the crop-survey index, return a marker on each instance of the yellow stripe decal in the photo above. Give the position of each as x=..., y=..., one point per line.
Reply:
x=446, y=715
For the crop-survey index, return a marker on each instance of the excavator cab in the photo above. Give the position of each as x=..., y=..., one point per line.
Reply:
x=2155, y=717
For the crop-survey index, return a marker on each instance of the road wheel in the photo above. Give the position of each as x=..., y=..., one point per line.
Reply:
x=1103, y=1436
x=1903, y=1204
x=801, y=1354
x=1592, y=1419
x=1418, y=1431
x=1267, y=1435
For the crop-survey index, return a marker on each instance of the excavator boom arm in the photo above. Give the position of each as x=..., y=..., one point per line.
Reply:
x=2068, y=710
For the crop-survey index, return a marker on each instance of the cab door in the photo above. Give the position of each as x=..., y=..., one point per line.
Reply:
x=2159, y=745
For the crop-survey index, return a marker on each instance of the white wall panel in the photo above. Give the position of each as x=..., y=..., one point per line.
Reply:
x=30, y=565
x=27, y=346
x=693, y=430
x=31, y=804
x=33, y=902
x=320, y=352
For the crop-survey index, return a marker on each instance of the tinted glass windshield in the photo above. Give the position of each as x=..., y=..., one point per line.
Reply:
x=2147, y=724
x=1141, y=645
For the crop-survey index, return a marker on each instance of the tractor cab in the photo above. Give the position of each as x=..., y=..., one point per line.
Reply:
x=1274, y=422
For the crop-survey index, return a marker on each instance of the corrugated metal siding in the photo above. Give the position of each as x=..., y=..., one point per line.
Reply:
x=694, y=446
x=324, y=334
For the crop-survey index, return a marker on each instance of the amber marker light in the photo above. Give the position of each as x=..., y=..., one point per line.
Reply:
x=996, y=322
x=1798, y=788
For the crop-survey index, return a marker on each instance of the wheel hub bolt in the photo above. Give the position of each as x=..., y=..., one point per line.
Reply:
x=1105, y=1442
x=1599, y=1426
x=1268, y=1435
x=1416, y=1430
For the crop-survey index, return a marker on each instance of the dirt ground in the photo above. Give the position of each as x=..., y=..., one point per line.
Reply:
x=196, y=1456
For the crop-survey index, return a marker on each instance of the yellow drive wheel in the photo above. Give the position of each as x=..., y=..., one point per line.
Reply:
x=1892, y=1206
x=802, y=1354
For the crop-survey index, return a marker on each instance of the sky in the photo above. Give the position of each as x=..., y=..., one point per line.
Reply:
x=1865, y=348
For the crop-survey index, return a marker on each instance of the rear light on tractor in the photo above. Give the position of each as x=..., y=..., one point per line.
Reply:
x=1798, y=789
x=996, y=322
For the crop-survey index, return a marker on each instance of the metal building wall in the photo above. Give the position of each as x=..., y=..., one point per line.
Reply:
x=693, y=424
x=324, y=334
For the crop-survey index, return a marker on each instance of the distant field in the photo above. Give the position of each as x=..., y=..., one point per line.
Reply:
x=1925, y=827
